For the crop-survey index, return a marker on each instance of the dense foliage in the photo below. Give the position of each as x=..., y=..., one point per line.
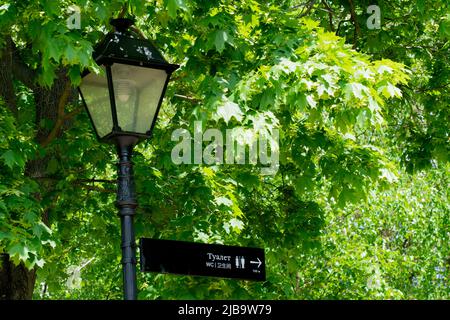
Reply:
x=358, y=207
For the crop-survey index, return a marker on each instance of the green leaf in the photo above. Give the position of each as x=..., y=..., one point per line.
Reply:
x=302, y=102
x=174, y=5
x=53, y=49
x=311, y=102
x=75, y=75
x=420, y=6
x=390, y=91
x=228, y=110
x=71, y=55
x=31, y=263
x=13, y=159
x=5, y=235
x=304, y=183
x=51, y=243
x=3, y=207
x=388, y=175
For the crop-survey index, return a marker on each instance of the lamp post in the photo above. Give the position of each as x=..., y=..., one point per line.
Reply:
x=123, y=103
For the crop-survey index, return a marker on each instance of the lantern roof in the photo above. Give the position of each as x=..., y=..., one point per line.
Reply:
x=125, y=99
x=124, y=45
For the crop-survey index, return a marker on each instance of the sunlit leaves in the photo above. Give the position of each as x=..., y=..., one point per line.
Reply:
x=229, y=109
x=174, y=5
x=388, y=249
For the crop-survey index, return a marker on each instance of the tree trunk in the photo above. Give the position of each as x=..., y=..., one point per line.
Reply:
x=16, y=282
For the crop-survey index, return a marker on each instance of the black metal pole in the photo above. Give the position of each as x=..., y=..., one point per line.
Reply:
x=126, y=202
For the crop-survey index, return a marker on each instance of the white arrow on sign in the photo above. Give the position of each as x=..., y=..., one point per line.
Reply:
x=257, y=262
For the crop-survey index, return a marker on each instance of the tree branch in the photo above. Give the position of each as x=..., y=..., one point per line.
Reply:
x=355, y=23
x=309, y=5
x=139, y=32
x=73, y=113
x=95, y=188
x=447, y=85
x=330, y=14
x=97, y=180
x=93, y=180
x=186, y=97
x=339, y=26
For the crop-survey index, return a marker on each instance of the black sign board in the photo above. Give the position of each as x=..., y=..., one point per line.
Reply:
x=190, y=258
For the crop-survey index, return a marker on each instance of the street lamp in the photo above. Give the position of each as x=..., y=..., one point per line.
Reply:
x=123, y=102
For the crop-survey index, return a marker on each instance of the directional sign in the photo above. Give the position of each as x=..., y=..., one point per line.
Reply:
x=190, y=258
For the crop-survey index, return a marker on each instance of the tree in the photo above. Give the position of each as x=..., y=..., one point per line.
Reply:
x=417, y=34
x=259, y=66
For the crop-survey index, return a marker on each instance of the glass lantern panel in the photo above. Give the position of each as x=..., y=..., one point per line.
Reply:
x=94, y=89
x=137, y=93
